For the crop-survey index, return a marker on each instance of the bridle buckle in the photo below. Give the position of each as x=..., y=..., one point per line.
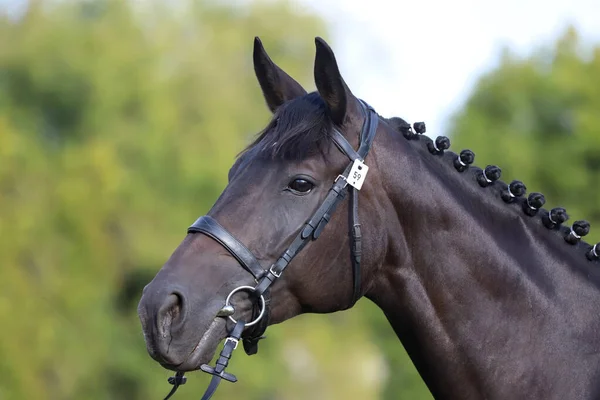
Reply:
x=233, y=340
x=272, y=272
x=340, y=176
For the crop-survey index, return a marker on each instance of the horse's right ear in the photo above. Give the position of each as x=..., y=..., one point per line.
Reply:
x=330, y=84
x=277, y=86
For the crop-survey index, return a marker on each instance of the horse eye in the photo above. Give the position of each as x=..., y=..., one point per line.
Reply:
x=301, y=185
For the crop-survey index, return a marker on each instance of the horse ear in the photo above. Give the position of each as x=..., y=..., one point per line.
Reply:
x=330, y=84
x=277, y=86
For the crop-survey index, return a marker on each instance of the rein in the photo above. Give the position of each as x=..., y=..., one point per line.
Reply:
x=350, y=180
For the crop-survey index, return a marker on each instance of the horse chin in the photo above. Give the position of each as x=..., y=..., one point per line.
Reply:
x=205, y=349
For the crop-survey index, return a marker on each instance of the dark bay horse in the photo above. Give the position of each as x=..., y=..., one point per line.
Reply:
x=493, y=296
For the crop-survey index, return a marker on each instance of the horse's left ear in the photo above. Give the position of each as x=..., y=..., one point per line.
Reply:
x=330, y=84
x=277, y=86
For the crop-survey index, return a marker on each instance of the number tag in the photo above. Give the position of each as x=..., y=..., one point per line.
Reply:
x=357, y=175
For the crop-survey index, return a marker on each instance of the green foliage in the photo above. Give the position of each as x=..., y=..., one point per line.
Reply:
x=538, y=118
x=118, y=123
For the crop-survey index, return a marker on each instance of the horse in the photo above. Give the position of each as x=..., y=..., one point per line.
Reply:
x=492, y=295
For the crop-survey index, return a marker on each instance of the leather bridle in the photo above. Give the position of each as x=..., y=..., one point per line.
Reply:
x=349, y=181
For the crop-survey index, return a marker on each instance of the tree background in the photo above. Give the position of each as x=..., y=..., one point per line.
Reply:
x=113, y=119
x=538, y=118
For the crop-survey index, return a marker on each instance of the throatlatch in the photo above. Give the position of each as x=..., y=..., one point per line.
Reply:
x=351, y=180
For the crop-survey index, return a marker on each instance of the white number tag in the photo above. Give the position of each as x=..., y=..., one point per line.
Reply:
x=357, y=174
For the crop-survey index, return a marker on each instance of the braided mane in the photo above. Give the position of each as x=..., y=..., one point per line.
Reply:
x=513, y=192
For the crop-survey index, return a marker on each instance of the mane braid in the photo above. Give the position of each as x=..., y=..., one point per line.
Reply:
x=571, y=234
x=298, y=129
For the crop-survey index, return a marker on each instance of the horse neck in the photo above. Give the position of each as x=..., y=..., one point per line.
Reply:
x=469, y=282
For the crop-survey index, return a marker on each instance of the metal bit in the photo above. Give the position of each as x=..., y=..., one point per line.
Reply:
x=226, y=311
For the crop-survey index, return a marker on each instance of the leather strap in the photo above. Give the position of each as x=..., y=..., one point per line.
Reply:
x=311, y=231
x=218, y=372
x=212, y=387
x=212, y=228
x=356, y=245
x=253, y=335
x=366, y=137
x=369, y=130
x=344, y=146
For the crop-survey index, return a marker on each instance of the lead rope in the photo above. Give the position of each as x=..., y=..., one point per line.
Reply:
x=218, y=372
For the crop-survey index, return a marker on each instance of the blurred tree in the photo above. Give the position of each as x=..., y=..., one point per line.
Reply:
x=118, y=123
x=538, y=118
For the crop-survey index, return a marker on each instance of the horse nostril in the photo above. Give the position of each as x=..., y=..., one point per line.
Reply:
x=169, y=313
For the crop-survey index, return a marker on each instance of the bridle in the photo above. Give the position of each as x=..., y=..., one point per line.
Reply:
x=350, y=180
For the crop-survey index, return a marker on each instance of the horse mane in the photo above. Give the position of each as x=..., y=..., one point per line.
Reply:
x=510, y=193
x=300, y=128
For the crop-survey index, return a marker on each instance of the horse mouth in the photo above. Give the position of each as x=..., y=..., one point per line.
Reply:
x=205, y=349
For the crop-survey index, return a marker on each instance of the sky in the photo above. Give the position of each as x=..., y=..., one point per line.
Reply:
x=420, y=59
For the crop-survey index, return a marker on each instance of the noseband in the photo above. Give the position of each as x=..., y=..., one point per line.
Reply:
x=350, y=180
